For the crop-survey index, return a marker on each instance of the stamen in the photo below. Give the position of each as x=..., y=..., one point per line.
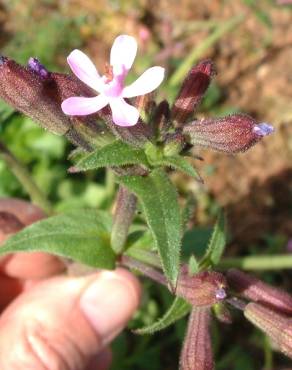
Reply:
x=108, y=72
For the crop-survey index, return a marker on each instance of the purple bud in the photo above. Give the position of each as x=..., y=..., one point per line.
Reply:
x=263, y=129
x=161, y=119
x=36, y=66
x=256, y=290
x=197, y=348
x=192, y=91
x=124, y=213
x=231, y=134
x=277, y=326
x=203, y=289
x=40, y=98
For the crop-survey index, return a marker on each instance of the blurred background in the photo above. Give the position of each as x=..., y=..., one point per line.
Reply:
x=251, y=44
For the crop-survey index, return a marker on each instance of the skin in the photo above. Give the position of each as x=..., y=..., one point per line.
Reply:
x=50, y=321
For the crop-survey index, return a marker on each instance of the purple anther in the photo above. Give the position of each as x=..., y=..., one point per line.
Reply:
x=263, y=129
x=220, y=294
x=36, y=66
x=2, y=60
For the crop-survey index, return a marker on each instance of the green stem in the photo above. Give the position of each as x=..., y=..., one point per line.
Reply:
x=24, y=177
x=271, y=262
x=268, y=353
x=200, y=49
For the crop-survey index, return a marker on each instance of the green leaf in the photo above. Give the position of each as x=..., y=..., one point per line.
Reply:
x=82, y=235
x=113, y=154
x=217, y=243
x=176, y=311
x=159, y=201
x=180, y=163
x=193, y=265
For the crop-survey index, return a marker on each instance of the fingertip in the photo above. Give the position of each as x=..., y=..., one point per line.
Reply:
x=110, y=301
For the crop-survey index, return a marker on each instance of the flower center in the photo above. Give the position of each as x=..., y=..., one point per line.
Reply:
x=108, y=73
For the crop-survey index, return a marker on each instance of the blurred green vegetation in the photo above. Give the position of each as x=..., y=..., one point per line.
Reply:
x=49, y=30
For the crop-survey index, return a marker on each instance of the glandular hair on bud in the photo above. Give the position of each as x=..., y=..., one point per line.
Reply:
x=256, y=290
x=276, y=325
x=230, y=134
x=197, y=348
x=203, y=289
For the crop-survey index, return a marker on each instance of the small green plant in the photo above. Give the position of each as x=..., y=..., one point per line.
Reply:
x=140, y=141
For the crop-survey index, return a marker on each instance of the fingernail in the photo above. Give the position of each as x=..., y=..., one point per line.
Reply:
x=109, y=302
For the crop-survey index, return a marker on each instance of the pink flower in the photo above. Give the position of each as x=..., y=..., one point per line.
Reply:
x=111, y=86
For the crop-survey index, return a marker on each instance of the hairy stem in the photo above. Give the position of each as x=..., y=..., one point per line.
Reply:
x=24, y=177
x=148, y=271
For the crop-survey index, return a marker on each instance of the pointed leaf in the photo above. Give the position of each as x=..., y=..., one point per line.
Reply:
x=217, y=243
x=113, y=154
x=176, y=311
x=82, y=235
x=180, y=163
x=160, y=205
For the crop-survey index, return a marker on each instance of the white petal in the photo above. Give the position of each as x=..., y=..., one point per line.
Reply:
x=84, y=69
x=78, y=106
x=146, y=83
x=123, y=113
x=123, y=52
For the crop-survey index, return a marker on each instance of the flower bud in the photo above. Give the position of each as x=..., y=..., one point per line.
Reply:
x=256, y=290
x=124, y=213
x=32, y=95
x=161, y=119
x=192, y=91
x=38, y=93
x=277, y=326
x=197, y=348
x=136, y=136
x=203, y=289
x=231, y=134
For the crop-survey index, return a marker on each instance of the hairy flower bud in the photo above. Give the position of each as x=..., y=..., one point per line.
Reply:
x=124, y=213
x=161, y=119
x=192, y=91
x=38, y=93
x=26, y=91
x=197, y=348
x=256, y=290
x=277, y=326
x=231, y=134
x=203, y=289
